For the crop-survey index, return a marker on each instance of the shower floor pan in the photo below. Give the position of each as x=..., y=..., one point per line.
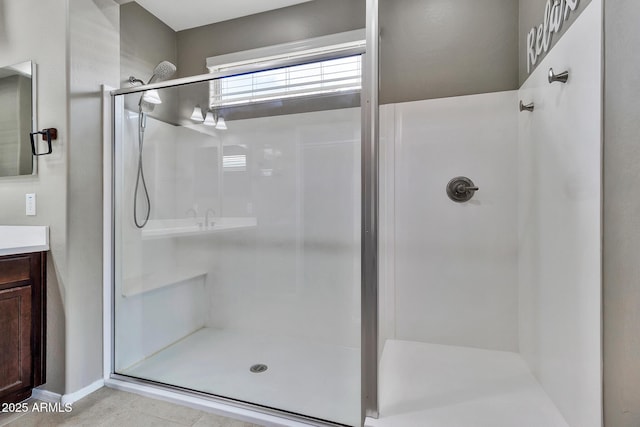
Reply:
x=430, y=385
x=317, y=380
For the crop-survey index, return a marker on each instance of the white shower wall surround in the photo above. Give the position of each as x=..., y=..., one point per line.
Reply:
x=162, y=296
x=455, y=263
x=559, y=223
x=303, y=260
x=517, y=268
x=300, y=261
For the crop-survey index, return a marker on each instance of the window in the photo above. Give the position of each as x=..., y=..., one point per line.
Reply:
x=234, y=163
x=336, y=75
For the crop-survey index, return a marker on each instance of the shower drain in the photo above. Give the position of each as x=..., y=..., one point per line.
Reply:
x=256, y=369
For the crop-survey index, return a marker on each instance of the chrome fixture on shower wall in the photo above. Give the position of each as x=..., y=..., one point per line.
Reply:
x=148, y=101
x=562, y=77
x=133, y=79
x=150, y=98
x=461, y=189
x=529, y=107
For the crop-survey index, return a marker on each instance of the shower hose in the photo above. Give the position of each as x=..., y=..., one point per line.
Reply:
x=140, y=177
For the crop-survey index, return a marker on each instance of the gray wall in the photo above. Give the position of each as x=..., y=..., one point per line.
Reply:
x=441, y=48
x=145, y=41
x=429, y=48
x=25, y=35
x=302, y=21
x=532, y=15
x=621, y=220
x=93, y=53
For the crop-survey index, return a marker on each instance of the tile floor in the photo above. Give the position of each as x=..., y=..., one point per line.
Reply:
x=108, y=407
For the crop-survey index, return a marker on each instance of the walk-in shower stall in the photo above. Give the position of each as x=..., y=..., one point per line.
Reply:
x=236, y=220
x=289, y=246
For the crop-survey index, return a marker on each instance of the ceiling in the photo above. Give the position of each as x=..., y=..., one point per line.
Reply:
x=185, y=14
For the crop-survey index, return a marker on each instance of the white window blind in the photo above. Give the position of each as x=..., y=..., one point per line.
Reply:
x=323, y=77
x=234, y=163
x=334, y=75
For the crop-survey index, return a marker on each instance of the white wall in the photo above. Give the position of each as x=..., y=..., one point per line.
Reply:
x=455, y=268
x=68, y=184
x=559, y=192
x=41, y=37
x=93, y=55
x=149, y=321
x=518, y=267
x=296, y=274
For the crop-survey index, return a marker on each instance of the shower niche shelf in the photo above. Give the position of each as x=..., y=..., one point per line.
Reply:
x=169, y=228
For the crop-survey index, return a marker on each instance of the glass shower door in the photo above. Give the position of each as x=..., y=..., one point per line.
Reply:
x=244, y=283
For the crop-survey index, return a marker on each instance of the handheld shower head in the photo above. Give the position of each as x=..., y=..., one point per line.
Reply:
x=147, y=103
x=163, y=71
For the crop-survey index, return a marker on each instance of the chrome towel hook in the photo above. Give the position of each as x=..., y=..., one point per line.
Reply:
x=528, y=107
x=562, y=77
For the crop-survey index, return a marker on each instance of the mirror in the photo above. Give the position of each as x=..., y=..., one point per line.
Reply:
x=17, y=100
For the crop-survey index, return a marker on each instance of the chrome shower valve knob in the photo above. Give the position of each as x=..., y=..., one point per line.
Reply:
x=461, y=189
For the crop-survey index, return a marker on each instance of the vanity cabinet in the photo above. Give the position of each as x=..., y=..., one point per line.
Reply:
x=22, y=324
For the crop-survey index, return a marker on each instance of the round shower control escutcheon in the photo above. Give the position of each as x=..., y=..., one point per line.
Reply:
x=461, y=189
x=258, y=368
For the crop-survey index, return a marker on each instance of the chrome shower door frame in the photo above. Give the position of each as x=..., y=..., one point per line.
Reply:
x=369, y=220
x=369, y=235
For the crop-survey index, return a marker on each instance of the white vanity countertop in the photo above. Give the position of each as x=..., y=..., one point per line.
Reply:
x=20, y=239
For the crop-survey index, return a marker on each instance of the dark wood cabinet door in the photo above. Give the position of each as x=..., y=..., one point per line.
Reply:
x=22, y=324
x=16, y=363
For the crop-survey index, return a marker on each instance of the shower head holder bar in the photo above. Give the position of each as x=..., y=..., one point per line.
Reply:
x=561, y=77
x=133, y=80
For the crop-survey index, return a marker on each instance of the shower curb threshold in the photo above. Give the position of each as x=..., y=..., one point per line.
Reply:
x=207, y=404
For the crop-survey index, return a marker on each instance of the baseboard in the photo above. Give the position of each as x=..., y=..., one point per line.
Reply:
x=46, y=395
x=83, y=392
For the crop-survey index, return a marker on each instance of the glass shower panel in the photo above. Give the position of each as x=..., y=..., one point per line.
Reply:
x=244, y=282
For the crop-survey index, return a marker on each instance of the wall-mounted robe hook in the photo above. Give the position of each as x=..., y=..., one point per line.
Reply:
x=48, y=135
x=562, y=77
x=528, y=107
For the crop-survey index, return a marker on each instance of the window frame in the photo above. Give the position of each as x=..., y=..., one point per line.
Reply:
x=332, y=47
